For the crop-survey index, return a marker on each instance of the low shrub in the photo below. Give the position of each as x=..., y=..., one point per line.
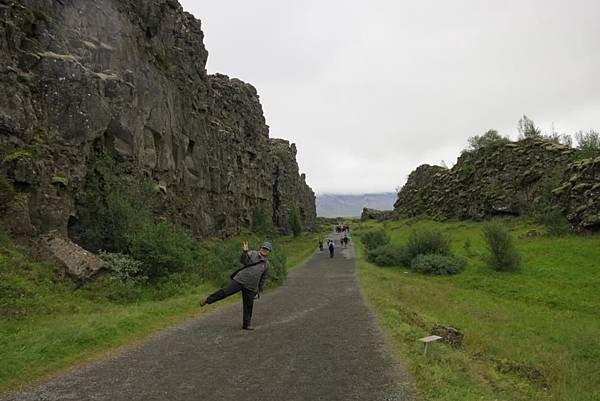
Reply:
x=437, y=264
x=555, y=222
x=426, y=241
x=503, y=253
x=375, y=238
x=124, y=268
x=164, y=248
x=278, y=272
x=387, y=255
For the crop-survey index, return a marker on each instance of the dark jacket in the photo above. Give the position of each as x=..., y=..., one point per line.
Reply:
x=255, y=271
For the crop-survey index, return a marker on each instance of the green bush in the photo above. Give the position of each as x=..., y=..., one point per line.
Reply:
x=437, y=264
x=375, y=238
x=426, y=241
x=124, y=268
x=111, y=208
x=503, y=253
x=555, y=222
x=164, y=248
x=278, y=272
x=387, y=255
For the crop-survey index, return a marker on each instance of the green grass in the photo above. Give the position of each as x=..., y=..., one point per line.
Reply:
x=47, y=324
x=533, y=334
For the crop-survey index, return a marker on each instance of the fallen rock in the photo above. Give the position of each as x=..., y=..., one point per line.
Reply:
x=79, y=263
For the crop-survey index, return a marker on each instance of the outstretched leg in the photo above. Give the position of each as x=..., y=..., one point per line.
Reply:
x=218, y=295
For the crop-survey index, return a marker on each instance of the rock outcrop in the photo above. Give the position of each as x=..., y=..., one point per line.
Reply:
x=290, y=194
x=506, y=179
x=127, y=78
x=374, y=214
x=579, y=194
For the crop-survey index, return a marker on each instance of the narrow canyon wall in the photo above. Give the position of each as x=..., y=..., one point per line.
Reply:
x=127, y=78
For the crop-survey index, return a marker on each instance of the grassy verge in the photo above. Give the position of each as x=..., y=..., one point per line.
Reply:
x=529, y=335
x=48, y=324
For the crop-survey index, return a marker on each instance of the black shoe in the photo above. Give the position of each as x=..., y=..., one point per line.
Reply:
x=247, y=327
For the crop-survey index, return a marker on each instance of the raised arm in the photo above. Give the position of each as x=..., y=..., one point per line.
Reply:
x=245, y=258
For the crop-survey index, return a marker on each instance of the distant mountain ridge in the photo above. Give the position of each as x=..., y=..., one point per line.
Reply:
x=351, y=205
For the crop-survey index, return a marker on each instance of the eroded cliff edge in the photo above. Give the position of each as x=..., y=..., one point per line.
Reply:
x=517, y=178
x=127, y=80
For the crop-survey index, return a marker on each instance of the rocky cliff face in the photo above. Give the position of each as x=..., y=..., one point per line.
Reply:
x=127, y=78
x=508, y=179
x=579, y=194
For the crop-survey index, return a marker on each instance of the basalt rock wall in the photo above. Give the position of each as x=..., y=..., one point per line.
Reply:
x=127, y=78
x=507, y=179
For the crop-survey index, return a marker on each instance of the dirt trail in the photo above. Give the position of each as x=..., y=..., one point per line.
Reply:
x=315, y=339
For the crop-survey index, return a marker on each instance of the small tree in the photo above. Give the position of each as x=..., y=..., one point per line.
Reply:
x=527, y=128
x=503, y=253
x=295, y=224
x=588, y=143
x=490, y=137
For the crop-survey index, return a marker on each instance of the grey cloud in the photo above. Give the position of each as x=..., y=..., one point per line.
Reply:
x=388, y=85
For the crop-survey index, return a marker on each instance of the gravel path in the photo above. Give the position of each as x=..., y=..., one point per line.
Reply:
x=315, y=339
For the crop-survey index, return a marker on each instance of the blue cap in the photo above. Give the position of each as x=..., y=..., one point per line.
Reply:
x=267, y=245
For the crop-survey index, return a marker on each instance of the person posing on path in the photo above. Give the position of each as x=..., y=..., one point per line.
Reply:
x=250, y=279
x=331, y=249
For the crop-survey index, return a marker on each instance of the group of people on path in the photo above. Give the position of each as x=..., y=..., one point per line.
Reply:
x=342, y=228
x=331, y=243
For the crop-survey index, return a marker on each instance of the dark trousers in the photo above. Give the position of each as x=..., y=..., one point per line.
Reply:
x=331, y=252
x=232, y=288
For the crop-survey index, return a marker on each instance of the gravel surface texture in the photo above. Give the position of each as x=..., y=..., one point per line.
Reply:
x=315, y=339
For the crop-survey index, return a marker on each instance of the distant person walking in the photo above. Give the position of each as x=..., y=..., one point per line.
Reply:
x=250, y=279
x=331, y=249
x=320, y=245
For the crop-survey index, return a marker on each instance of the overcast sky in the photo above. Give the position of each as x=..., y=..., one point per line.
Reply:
x=369, y=90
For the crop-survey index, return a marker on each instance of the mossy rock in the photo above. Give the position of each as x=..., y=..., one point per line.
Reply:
x=7, y=191
x=17, y=154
